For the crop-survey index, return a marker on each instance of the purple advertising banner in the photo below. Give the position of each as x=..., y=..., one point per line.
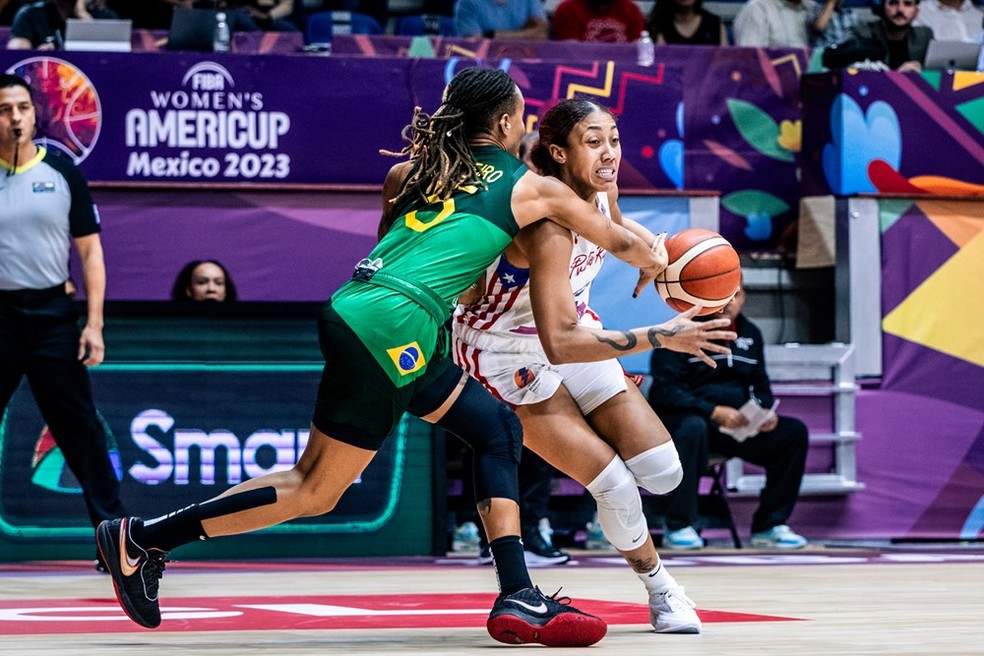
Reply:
x=743, y=138
x=894, y=133
x=706, y=119
x=192, y=118
x=189, y=118
x=738, y=124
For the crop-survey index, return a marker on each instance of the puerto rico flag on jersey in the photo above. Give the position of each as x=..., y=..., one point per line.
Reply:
x=500, y=294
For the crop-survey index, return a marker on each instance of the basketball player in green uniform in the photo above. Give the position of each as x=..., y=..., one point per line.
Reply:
x=453, y=206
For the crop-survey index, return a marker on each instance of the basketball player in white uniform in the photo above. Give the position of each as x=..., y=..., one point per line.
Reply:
x=545, y=352
x=496, y=339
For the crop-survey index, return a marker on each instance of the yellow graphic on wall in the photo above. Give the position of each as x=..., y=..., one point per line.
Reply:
x=946, y=312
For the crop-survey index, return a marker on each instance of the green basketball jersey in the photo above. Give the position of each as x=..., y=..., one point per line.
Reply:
x=444, y=247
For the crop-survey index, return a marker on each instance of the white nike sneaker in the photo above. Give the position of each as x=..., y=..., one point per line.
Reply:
x=672, y=611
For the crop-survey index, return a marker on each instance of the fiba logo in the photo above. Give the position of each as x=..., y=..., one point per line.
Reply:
x=523, y=377
x=208, y=76
x=69, y=113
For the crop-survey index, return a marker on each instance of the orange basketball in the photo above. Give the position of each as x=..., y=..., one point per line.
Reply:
x=703, y=268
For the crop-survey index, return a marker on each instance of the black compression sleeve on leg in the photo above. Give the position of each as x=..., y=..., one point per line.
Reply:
x=185, y=525
x=494, y=433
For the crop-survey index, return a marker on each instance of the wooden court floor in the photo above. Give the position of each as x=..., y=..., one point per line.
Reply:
x=817, y=601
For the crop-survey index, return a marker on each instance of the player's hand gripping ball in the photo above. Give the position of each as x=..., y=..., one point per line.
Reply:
x=703, y=268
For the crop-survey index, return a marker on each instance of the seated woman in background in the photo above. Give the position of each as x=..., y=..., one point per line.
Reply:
x=272, y=15
x=685, y=22
x=41, y=25
x=204, y=280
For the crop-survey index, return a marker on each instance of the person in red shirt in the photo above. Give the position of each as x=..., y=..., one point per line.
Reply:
x=604, y=21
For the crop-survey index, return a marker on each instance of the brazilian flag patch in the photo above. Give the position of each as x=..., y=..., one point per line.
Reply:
x=407, y=358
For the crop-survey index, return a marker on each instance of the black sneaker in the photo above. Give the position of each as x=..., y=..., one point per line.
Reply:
x=540, y=553
x=136, y=571
x=530, y=616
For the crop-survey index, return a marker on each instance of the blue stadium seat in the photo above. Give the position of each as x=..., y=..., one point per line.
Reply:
x=425, y=24
x=318, y=27
x=351, y=22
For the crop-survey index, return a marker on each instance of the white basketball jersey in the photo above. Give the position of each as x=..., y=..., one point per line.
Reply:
x=502, y=320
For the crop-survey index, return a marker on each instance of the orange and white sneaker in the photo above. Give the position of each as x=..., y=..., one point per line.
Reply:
x=136, y=571
x=529, y=616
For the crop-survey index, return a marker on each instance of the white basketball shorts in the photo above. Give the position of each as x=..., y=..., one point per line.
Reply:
x=526, y=378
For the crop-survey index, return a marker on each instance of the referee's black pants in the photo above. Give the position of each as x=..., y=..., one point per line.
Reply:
x=781, y=452
x=39, y=339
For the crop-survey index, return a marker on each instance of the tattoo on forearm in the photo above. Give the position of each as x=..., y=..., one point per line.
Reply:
x=630, y=341
x=655, y=331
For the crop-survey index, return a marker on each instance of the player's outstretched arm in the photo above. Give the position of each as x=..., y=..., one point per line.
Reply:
x=536, y=197
x=548, y=247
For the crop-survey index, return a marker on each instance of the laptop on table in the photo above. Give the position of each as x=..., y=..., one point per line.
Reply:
x=100, y=35
x=952, y=56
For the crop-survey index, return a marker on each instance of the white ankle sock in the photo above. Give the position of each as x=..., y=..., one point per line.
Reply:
x=658, y=579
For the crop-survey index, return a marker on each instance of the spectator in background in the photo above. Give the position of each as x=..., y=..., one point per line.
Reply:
x=39, y=332
x=831, y=22
x=891, y=42
x=774, y=23
x=501, y=19
x=685, y=22
x=237, y=13
x=204, y=280
x=952, y=20
x=695, y=401
x=272, y=15
x=602, y=21
x=41, y=25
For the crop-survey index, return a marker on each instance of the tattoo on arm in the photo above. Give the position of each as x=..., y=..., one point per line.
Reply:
x=653, y=335
x=630, y=341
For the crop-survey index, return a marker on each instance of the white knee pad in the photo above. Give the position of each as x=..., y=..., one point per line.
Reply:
x=657, y=469
x=619, y=506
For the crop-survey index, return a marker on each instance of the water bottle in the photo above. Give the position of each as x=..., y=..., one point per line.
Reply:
x=222, y=35
x=647, y=51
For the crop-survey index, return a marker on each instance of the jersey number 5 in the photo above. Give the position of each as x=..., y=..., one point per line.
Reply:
x=429, y=219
